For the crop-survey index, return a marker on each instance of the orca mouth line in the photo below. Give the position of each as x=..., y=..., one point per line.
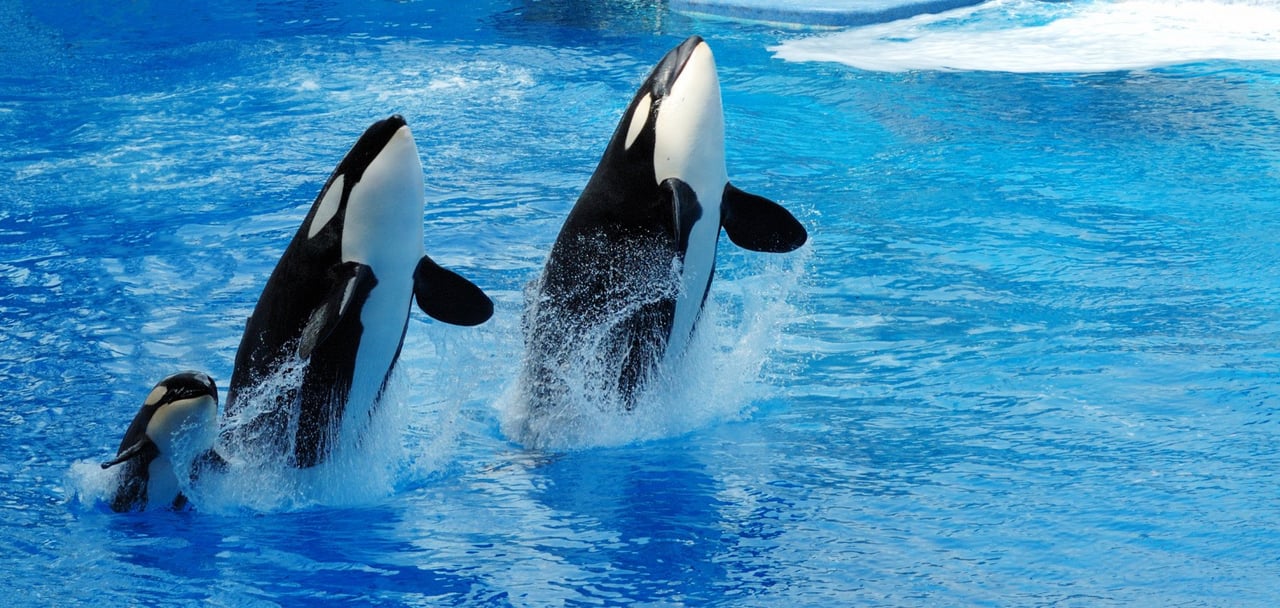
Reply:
x=192, y=385
x=367, y=148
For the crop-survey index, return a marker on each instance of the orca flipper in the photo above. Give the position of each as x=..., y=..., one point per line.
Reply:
x=144, y=447
x=447, y=297
x=131, y=494
x=351, y=282
x=685, y=209
x=759, y=224
x=210, y=460
x=644, y=345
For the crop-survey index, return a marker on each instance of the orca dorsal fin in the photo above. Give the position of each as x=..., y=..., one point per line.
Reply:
x=759, y=224
x=685, y=209
x=351, y=282
x=447, y=297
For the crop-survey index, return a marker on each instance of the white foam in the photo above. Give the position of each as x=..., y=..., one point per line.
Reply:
x=392, y=450
x=1033, y=36
x=362, y=468
x=717, y=379
x=89, y=484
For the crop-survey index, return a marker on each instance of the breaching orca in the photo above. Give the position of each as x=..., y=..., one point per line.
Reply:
x=174, y=429
x=336, y=307
x=628, y=274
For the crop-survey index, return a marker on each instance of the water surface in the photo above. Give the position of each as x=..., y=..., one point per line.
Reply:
x=1028, y=357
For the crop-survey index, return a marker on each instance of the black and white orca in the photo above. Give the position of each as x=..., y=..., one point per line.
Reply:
x=175, y=428
x=635, y=257
x=336, y=306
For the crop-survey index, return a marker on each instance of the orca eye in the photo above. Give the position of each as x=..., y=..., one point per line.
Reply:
x=184, y=392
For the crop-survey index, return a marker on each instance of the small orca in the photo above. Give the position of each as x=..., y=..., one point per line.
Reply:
x=175, y=428
x=636, y=255
x=337, y=304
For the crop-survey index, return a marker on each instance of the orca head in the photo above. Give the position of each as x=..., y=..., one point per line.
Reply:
x=674, y=127
x=185, y=422
x=178, y=420
x=376, y=188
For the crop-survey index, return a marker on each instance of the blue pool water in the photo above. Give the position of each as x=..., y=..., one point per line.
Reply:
x=1031, y=355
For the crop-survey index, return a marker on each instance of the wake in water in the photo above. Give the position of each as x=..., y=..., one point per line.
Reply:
x=1035, y=36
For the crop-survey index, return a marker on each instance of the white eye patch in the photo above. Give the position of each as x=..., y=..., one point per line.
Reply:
x=156, y=395
x=638, y=119
x=328, y=206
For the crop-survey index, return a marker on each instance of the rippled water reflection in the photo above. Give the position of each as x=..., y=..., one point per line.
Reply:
x=1028, y=358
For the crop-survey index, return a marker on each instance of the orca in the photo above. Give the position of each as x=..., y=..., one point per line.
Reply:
x=174, y=430
x=634, y=259
x=335, y=308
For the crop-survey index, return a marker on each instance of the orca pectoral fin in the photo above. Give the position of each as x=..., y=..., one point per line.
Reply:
x=759, y=224
x=685, y=209
x=210, y=460
x=445, y=296
x=351, y=281
x=130, y=452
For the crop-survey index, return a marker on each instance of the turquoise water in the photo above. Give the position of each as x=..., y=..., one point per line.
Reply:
x=1029, y=356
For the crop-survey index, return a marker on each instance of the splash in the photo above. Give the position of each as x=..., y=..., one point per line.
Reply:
x=1033, y=36
x=415, y=434
x=716, y=379
x=91, y=485
x=94, y=486
x=367, y=465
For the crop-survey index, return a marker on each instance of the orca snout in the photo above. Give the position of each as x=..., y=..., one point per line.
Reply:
x=686, y=48
x=676, y=62
x=391, y=123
